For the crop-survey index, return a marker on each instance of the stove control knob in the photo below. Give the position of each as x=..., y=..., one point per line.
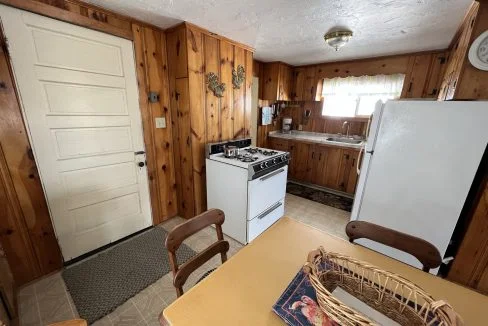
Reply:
x=266, y=164
x=261, y=165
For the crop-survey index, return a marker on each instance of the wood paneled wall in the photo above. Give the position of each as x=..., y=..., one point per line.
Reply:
x=315, y=123
x=423, y=77
x=200, y=116
x=457, y=58
x=473, y=82
x=26, y=230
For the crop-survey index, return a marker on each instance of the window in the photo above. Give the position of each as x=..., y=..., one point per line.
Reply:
x=357, y=96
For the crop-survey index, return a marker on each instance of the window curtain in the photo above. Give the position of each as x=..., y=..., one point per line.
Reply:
x=364, y=85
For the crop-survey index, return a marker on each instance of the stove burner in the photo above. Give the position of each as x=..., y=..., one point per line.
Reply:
x=252, y=150
x=247, y=158
x=268, y=153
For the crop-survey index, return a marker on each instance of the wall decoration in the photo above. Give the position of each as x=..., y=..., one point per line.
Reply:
x=478, y=53
x=238, y=76
x=214, y=85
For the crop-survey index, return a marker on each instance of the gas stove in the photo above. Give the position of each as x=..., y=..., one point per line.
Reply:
x=249, y=187
x=258, y=161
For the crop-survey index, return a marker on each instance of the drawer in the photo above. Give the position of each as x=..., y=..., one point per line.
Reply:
x=265, y=191
x=263, y=221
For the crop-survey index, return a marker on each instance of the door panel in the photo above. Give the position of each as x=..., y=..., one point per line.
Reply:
x=78, y=90
x=299, y=153
x=334, y=158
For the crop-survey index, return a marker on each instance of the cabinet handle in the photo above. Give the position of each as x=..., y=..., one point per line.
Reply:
x=353, y=161
x=313, y=155
x=320, y=156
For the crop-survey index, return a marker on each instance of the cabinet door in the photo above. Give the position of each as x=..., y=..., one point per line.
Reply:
x=278, y=144
x=348, y=176
x=298, y=83
x=299, y=154
x=352, y=180
x=334, y=159
x=285, y=83
x=319, y=165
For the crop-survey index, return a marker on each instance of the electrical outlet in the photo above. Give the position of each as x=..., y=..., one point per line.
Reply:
x=161, y=122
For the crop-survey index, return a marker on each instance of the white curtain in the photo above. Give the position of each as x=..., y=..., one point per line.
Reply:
x=379, y=84
x=356, y=96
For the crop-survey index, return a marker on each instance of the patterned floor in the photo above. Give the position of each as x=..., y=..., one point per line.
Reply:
x=47, y=301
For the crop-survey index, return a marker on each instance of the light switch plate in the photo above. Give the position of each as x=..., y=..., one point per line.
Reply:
x=161, y=122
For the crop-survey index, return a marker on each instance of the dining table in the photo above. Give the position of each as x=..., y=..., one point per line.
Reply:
x=243, y=290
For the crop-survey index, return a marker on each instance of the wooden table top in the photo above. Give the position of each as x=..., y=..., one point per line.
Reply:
x=243, y=290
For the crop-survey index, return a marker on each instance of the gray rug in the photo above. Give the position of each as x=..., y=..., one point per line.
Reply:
x=320, y=196
x=102, y=283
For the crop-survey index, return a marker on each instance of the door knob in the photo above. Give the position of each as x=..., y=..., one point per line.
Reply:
x=141, y=164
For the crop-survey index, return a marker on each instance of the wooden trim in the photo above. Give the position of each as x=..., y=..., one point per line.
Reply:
x=67, y=16
x=472, y=10
x=393, y=56
x=207, y=32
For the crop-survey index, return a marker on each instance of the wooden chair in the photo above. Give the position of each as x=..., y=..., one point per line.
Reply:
x=424, y=251
x=187, y=229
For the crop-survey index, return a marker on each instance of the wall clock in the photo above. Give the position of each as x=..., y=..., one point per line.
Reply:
x=478, y=53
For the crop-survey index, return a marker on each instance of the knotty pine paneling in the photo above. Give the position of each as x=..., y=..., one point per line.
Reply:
x=473, y=82
x=212, y=103
x=196, y=80
x=226, y=102
x=209, y=118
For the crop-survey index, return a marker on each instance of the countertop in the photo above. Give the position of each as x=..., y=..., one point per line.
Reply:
x=242, y=291
x=313, y=137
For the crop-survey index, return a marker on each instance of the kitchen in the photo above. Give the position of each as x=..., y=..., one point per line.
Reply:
x=120, y=166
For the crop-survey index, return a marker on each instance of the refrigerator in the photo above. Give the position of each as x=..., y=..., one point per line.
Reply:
x=418, y=165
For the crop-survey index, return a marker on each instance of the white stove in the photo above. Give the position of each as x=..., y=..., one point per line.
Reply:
x=250, y=188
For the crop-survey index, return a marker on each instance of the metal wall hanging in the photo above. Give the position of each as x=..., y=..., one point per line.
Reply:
x=214, y=85
x=238, y=76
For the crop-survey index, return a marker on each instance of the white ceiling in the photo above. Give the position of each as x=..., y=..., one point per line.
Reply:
x=292, y=30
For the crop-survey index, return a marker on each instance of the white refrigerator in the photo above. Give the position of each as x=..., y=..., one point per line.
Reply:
x=419, y=163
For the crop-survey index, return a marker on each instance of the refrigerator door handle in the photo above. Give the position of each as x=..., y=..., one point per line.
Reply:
x=359, y=159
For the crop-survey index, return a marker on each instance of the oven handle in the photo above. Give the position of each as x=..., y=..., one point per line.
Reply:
x=269, y=210
x=272, y=174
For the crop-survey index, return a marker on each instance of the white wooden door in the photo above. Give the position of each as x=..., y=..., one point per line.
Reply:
x=79, y=95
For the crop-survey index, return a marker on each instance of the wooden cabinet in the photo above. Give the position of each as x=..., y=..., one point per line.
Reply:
x=305, y=84
x=326, y=166
x=348, y=177
x=278, y=144
x=299, y=167
x=277, y=84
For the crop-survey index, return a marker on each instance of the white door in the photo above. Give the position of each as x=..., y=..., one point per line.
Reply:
x=79, y=95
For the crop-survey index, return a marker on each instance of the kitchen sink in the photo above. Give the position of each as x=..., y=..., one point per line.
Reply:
x=344, y=140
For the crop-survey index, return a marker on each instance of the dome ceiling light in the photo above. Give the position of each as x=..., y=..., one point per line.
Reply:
x=337, y=39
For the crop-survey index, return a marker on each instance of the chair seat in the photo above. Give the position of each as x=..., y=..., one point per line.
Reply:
x=207, y=273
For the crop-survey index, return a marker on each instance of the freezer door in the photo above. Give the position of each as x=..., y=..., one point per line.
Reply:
x=425, y=157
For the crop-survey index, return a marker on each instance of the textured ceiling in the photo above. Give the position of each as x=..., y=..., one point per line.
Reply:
x=292, y=30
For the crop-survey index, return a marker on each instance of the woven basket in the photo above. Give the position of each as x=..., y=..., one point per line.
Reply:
x=388, y=293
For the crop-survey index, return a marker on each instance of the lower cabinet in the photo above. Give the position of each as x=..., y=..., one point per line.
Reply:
x=327, y=166
x=299, y=168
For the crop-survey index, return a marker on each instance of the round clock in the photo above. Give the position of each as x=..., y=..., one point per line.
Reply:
x=478, y=53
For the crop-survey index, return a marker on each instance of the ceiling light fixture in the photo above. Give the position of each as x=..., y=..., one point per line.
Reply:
x=337, y=39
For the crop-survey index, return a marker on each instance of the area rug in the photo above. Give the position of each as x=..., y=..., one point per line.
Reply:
x=320, y=196
x=102, y=283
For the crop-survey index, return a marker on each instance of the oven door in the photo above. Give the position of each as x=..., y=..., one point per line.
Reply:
x=265, y=191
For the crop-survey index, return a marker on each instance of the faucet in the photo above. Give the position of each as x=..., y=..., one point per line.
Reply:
x=348, y=126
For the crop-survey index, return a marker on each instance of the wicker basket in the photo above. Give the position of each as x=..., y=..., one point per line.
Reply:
x=388, y=293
